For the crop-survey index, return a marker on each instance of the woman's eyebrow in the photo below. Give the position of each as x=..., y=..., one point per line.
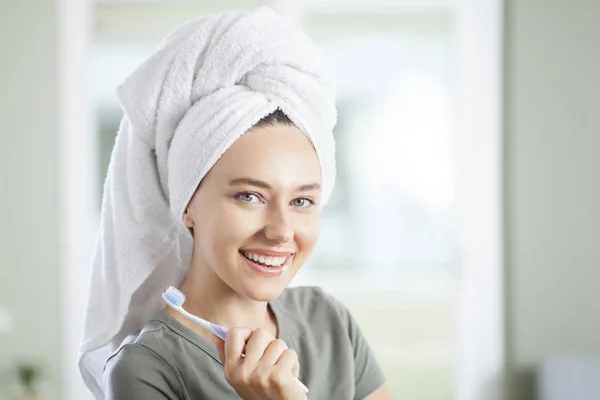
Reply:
x=249, y=181
x=309, y=187
x=264, y=185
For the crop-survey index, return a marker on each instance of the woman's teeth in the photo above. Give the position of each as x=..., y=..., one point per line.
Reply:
x=268, y=261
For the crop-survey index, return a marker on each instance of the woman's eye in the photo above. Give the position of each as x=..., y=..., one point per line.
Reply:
x=247, y=197
x=302, y=202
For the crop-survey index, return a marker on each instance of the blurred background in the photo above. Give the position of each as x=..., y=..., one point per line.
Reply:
x=463, y=230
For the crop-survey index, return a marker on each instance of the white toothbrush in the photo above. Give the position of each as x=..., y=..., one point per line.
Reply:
x=175, y=299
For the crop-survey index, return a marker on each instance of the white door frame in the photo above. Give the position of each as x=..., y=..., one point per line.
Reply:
x=480, y=323
x=77, y=180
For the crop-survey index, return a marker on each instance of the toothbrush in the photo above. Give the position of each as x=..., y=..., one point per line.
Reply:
x=175, y=299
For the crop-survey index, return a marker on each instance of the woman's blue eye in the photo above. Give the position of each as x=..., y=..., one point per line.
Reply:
x=303, y=202
x=246, y=197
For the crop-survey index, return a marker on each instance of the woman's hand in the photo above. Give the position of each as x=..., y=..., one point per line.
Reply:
x=268, y=369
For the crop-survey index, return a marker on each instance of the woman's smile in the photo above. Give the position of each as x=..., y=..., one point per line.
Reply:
x=267, y=266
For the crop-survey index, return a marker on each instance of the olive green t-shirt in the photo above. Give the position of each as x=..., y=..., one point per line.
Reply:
x=170, y=361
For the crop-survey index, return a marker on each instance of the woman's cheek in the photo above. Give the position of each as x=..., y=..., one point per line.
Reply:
x=307, y=231
x=237, y=227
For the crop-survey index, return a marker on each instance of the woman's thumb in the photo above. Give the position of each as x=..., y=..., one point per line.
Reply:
x=221, y=350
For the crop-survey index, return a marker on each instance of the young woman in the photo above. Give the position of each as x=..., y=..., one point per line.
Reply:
x=253, y=218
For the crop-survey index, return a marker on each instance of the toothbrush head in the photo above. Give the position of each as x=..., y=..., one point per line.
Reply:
x=173, y=297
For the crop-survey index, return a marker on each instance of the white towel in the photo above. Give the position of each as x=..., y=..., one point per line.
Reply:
x=209, y=81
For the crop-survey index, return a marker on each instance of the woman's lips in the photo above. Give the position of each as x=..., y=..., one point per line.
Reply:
x=267, y=271
x=268, y=253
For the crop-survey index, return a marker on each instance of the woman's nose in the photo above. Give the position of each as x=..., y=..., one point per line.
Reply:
x=279, y=227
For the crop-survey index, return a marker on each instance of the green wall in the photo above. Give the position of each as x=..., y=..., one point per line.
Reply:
x=29, y=269
x=552, y=150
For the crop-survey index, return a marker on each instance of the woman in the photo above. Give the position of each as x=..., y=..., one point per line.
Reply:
x=233, y=117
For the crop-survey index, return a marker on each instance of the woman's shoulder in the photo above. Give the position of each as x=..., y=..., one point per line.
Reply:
x=137, y=371
x=130, y=357
x=309, y=302
x=305, y=296
x=144, y=347
x=142, y=366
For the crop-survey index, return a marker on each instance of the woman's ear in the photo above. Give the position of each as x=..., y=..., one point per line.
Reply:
x=187, y=218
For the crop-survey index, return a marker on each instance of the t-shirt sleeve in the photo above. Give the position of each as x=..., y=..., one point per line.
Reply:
x=138, y=373
x=368, y=375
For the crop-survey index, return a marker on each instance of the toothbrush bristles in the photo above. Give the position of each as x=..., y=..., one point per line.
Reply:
x=175, y=296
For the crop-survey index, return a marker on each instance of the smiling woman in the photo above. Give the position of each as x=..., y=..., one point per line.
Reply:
x=238, y=149
x=255, y=218
x=253, y=209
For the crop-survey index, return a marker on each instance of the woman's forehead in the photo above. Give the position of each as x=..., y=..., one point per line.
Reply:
x=278, y=154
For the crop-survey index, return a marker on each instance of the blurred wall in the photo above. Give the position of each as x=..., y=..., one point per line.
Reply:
x=29, y=269
x=552, y=183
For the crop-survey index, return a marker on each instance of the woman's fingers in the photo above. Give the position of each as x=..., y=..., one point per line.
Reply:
x=256, y=346
x=234, y=345
x=288, y=362
x=273, y=352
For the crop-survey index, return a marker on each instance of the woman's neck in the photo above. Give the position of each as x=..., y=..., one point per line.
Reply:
x=208, y=297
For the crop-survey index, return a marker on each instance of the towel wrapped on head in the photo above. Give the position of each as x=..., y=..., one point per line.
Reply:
x=209, y=82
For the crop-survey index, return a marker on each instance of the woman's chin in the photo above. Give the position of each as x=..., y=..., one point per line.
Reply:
x=264, y=293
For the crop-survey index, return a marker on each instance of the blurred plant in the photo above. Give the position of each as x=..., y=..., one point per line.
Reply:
x=28, y=375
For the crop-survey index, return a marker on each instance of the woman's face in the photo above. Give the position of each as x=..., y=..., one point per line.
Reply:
x=256, y=213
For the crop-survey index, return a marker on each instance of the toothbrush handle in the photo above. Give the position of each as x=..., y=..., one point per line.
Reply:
x=301, y=385
x=219, y=331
